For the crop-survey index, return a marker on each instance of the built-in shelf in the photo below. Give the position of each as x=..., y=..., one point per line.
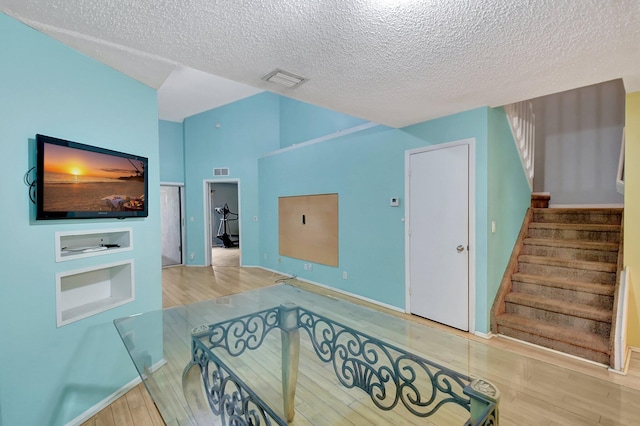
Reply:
x=85, y=292
x=72, y=245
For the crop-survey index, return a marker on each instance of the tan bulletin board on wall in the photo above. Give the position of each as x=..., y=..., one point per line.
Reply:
x=308, y=228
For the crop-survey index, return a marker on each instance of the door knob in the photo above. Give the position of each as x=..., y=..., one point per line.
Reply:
x=460, y=248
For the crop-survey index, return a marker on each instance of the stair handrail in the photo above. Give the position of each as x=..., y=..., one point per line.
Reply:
x=522, y=122
x=617, y=347
x=620, y=174
x=620, y=339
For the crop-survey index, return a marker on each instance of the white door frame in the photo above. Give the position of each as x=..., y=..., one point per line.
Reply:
x=471, y=143
x=206, y=195
x=182, y=220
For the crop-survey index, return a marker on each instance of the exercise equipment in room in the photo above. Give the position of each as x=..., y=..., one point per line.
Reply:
x=223, y=229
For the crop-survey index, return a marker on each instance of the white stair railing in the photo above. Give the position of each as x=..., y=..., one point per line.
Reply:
x=620, y=175
x=620, y=339
x=522, y=121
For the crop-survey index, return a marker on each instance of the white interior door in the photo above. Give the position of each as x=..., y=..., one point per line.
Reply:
x=439, y=234
x=171, y=225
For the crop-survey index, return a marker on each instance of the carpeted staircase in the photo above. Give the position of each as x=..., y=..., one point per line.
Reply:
x=559, y=288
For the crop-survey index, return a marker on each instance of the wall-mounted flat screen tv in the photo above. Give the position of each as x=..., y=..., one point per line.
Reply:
x=78, y=181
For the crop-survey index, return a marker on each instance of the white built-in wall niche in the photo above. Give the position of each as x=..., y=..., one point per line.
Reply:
x=72, y=245
x=84, y=292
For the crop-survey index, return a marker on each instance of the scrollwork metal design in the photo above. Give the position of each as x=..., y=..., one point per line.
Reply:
x=388, y=374
x=239, y=334
x=228, y=396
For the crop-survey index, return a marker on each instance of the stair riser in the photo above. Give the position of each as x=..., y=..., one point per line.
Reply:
x=574, y=296
x=583, y=324
x=571, y=273
x=587, y=217
x=569, y=270
x=575, y=234
x=552, y=344
x=571, y=253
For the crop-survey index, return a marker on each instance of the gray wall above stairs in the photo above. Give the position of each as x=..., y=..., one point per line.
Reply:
x=578, y=135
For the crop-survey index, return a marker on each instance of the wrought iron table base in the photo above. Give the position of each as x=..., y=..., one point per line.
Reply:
x=387, y=373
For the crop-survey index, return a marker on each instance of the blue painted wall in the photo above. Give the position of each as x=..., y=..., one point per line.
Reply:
x=51, y=375
x=233, y=136
x=366, y=169
x=171, y=139
x=508, y=199
x=301, y=122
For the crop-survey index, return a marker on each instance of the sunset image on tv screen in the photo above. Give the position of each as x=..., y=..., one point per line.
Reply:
x=85, y=181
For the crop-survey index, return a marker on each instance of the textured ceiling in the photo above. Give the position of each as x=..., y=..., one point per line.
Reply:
x=187, y=92
x=393, y=62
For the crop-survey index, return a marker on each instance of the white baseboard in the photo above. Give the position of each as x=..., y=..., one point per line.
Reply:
x=346, y=293
x=112, y=398
x=487, y=336
x=273, y=271
x=173, y=266
x=627, y=360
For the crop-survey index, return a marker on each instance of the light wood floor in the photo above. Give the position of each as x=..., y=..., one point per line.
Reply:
x=225, y=256
x=529, y=378
x=181, y=286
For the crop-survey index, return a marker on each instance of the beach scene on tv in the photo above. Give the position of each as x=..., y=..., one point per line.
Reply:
x=79, y=180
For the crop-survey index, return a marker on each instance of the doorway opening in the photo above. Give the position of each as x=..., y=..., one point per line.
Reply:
x=223, y=224
x=171, y=224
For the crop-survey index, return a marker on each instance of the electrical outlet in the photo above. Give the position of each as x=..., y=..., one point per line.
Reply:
x=344, y=275
x=311, y=267
x=305, y=267
x=192, y=256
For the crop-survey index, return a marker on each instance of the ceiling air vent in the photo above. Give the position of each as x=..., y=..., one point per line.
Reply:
x=284, y=78
x=224, y=171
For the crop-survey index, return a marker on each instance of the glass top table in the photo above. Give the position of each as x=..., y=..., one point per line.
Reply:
x=282, y=355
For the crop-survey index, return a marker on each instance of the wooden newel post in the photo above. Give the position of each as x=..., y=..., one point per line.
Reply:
x=483, y=394
x=290, y=356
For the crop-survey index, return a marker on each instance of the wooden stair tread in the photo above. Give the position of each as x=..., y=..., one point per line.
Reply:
x=559, y=285
x=575, y=226
x=596, y=288
x=563, y=334
x=576, y=244
x=568, y=263
x=560, y=306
